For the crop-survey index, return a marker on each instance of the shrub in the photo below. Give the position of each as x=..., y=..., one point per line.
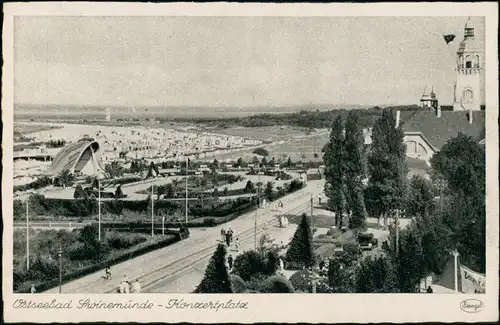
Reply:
x=261, y=152
x=121, y=241
x=248, y=264
x=300, y=281
x=277, y=284
x=237, y=284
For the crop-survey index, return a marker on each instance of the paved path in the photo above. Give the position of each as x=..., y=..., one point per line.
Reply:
x=166, y=268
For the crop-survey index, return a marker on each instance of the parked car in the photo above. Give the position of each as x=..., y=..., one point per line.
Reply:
x=367, y=241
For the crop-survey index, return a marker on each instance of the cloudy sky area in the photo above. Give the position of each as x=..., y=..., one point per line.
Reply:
x=234, y=61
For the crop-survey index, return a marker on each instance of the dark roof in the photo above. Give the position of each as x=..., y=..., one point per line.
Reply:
x=439, y=130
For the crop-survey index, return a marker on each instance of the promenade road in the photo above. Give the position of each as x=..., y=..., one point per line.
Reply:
x=159, y=269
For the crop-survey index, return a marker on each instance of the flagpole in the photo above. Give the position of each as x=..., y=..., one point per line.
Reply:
x=455, y=274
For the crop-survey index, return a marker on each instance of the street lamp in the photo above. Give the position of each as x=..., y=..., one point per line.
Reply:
x=59, y=254
x=27, y=235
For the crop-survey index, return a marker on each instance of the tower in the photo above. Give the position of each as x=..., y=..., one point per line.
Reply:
x=108, y=114
x=468, y=84
x=429, y=101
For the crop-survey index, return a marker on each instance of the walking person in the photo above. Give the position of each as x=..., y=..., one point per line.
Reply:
x=32, y=289
x=230, y=262
x=223, y=234
x=237, y=244
x=228, y=239
x=136, y=286
x=108, y=273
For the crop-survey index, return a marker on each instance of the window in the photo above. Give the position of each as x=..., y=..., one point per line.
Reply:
x=468, y=64
x=477, y=62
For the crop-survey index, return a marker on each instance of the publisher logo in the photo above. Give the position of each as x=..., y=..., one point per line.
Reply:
x=472, y=305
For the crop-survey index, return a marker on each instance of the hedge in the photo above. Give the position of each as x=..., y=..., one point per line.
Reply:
x=99, y=266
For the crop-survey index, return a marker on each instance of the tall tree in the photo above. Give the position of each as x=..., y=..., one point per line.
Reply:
x=216, y=279
x=300, y=250
x=410, y=261
x=335, y=173
x=461, y=163
x=355, y=169
x=387, y=168
x=376, y=275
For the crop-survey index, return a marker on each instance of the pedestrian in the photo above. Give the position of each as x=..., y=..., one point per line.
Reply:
x=136, y=286
x=319, y=200
x=230, y=262
x=228, y=240
x=32, y=289
x=108, y=273
x=237, y=244
x=230, y=232
x=223, y=234
x=429, y=289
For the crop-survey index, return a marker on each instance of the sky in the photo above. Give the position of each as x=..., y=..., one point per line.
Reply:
x=234, y=61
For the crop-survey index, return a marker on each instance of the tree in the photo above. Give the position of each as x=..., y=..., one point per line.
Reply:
x=355, y=169
x=277, y=284
x=78, y=192
x=335, y=173
x=215, y=164
x=410, y=261
x=249, y=187
x=316, y=156
x=419, y=199
x=240, y=162
x=237, y=284
x=301, y=247
x=263, y=161
x=119, y=192
x=289, y=162
x=249, y=264
x=268, y=191
x=225, y=191
x=261, y=152
x=376, y=275
x=113, y=170
x=461, y=163
x=215, y=193
x=341, y=276
x=66, y=178
x=387, y=168
x=216, y=278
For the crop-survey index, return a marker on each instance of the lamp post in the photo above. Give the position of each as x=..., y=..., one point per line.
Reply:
x=187, y=166
x=152, y=211
x=59, y=254
x=27, y=236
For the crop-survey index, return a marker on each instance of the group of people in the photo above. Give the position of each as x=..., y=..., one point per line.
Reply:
x=127, y=287
x=227, y=238
x=283, y=221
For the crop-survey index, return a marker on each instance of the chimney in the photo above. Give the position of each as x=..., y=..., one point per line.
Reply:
x=470, y=117
x=438, y=111
x=398, y=117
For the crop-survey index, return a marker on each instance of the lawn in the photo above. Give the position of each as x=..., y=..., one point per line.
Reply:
x=80, y=251
x=25, y=129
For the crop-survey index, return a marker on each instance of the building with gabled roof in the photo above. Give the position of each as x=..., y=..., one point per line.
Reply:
x=426, y=132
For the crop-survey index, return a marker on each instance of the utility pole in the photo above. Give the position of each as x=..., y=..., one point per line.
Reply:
x=27, y=235
x=60, y=270
x=312, y=208
x=99, y=203
x=397, y=232
x=255, y=218
x=455, y=274
x=152, y=211
x=187, y=165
